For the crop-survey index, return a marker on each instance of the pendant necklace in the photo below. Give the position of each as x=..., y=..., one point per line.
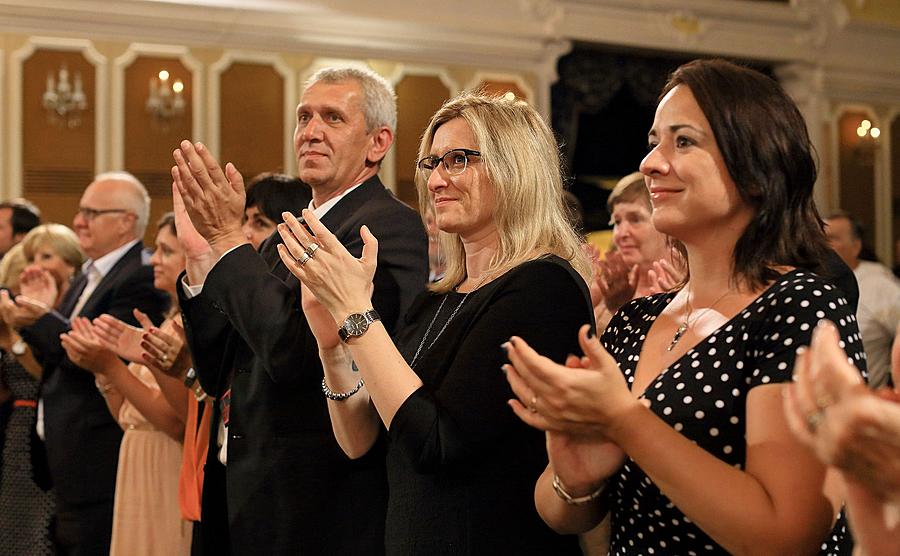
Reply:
x=686, y=323
x=434, y=318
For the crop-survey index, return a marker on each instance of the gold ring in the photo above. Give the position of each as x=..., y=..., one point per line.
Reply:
x=532, y=407
x=303, y=259
x=311, y=250
x=165, y=357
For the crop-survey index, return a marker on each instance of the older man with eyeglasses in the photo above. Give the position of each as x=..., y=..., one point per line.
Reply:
x=81, y=439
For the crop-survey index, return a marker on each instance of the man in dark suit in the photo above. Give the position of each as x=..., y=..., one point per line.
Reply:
x=287, y=488
x=80, y=436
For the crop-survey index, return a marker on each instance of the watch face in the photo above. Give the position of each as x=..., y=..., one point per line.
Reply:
x=356, y=324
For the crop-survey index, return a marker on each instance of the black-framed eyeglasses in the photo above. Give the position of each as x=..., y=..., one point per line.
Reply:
x=89, y=213
x=455, y=161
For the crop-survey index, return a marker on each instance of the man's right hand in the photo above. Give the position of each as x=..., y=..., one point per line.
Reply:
x=199, y=258
x=213, y=199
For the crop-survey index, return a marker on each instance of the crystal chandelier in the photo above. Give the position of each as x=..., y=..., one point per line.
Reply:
x=65, y=102
x=165, y=101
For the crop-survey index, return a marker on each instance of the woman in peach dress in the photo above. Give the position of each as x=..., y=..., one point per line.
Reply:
x=151, y=407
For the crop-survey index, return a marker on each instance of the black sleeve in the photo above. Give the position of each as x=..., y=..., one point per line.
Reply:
x=260, y=307
x=265, y=310
x=204, y=327
x=450, y=425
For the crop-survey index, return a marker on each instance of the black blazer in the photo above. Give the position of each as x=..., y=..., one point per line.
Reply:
x=81, y=437
x=290, y=489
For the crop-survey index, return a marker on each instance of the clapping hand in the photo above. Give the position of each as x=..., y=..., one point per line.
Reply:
x=122, y=338
x=165, y=349
x=663, y=277
x=340, y=281
x=848, y=426
x=85, y=350
x=213, y=199
x=617, y=281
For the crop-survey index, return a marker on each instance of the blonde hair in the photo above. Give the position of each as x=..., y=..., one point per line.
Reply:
x=630, y=189
x=11, y=266
x=60, y=238
x=521, y=160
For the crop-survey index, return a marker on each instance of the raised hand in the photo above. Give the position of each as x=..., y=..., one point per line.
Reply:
x=85, y=350
x=37, y=285
x=22, y=311
x=340, y=281
x=848, y=426
x=165, y=349
x=120, y=337
x=213, y=199
x=616, y=280
x=589, y=399
x=663, y=276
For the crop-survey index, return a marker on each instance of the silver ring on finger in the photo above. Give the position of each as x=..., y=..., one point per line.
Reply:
x=532, y=406
x=311, y=250
x=164, y=358
x=303, y=258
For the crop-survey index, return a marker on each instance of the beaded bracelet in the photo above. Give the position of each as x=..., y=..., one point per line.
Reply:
x=340, y=396
x=575, y=500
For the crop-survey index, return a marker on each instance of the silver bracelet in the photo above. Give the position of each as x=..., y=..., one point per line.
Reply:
x=575, y=500
x=340, y=396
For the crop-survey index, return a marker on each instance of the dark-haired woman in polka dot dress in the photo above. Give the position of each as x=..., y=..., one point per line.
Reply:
x=677, y=427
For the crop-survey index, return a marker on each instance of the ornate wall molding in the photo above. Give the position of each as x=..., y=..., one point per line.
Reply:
x=291, y=97
x=120, y=64
x=101, y=109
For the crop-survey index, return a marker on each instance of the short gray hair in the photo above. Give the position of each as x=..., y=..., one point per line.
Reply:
x=139, y=200
x=380, y=104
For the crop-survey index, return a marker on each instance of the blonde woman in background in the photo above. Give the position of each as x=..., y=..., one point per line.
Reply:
x=48, y=252
x=642, y=263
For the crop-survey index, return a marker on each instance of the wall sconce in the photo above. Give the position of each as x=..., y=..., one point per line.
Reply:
x=65, y=102
x=867, y=142
x=165, y=101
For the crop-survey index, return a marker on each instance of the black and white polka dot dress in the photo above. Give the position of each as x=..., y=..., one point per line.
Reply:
x=25, y=510
x=703, y=395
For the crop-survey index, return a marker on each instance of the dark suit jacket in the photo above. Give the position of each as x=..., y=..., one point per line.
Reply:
x=290, y=489
x=82, y=438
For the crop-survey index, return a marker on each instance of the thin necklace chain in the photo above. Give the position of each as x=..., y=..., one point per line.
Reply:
x=434, y=318
x=686, y=323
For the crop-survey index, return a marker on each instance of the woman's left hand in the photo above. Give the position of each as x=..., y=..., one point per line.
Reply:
x=589, y=400
x=340, y=281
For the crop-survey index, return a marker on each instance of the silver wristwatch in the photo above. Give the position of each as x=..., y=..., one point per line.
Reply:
x=357, y=324
x=19, y=348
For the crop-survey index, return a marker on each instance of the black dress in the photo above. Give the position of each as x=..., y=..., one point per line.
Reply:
x=461, y=466
x=703, y=396
x=25, y=509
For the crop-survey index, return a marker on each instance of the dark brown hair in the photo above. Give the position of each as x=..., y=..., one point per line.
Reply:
x=766, y=149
